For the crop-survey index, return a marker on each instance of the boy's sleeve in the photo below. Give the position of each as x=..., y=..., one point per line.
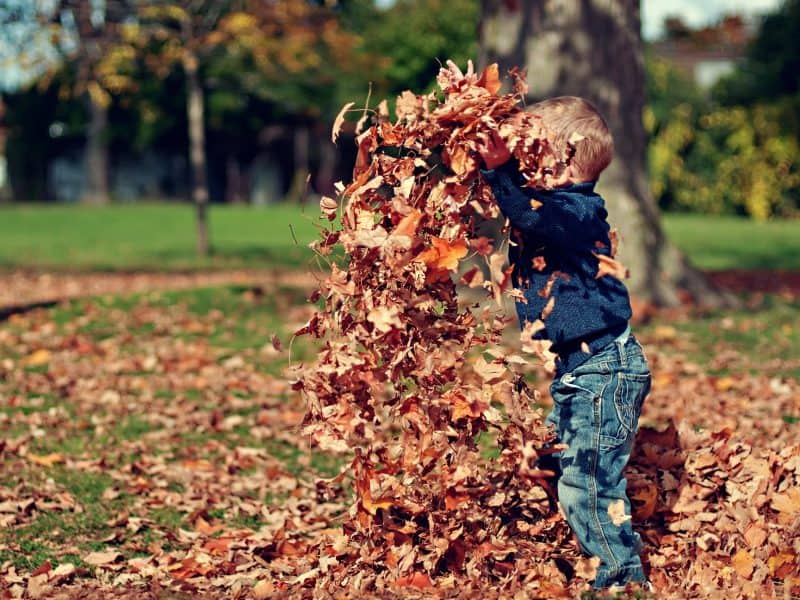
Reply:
x=567, y=222
x=514, y=203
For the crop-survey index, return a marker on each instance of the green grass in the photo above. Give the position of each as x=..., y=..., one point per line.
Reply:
x=767, y=337
x=161, y=236
x=154, y=236
x=720, y=243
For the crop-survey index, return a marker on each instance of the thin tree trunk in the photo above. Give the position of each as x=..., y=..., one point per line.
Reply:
x=593, y=49
x=5, y=187
x=97, y=153
x=197, y=150
x=234, y=181
x=327, y=167
x=298, y=188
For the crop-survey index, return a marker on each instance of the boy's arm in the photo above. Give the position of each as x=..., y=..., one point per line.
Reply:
x=514, y=203
x=567, y=222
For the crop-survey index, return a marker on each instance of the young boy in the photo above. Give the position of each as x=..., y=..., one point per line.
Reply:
x=602, y=375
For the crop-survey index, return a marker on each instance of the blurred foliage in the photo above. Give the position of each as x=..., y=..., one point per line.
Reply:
x=735, y=150
x=413, y=37
x=268, y=67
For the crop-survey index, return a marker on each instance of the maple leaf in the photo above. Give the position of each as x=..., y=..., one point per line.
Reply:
x=443, y=255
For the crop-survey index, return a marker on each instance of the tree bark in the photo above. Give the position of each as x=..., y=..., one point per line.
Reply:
x=593, y=49
x=97, y=153
x=197, y=150
x=5, y=186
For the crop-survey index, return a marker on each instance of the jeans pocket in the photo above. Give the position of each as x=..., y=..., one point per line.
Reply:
x=621, y=410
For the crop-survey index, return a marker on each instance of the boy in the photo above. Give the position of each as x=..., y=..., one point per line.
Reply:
x=602, y=375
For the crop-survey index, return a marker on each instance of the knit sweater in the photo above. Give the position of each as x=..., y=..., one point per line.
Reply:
x=557, y=242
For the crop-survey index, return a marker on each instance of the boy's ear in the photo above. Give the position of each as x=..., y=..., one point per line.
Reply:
x=566, y=177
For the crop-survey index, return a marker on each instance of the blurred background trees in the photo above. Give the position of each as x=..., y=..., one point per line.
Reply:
x=232, y=100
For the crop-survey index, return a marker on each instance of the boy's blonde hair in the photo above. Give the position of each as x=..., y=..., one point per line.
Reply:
x=568, y=115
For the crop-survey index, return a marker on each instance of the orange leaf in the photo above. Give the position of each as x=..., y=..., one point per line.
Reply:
x=408, y=224
x=609, y=266
x=47, y=460
x=417, y=580
x=743, y=563
x=443, y=255
x=453, y=500
x=218, y=546
x=781, y=564
x=490, y=79
x=36, y=359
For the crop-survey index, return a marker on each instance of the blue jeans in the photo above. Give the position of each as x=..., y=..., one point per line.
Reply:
x=596, y=411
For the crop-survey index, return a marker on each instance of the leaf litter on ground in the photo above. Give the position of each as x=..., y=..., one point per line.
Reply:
x=155, y=448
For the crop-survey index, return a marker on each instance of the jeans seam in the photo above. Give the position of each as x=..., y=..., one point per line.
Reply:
x=593, y=481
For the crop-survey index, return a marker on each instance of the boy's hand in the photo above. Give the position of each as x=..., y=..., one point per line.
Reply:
x=493, y=150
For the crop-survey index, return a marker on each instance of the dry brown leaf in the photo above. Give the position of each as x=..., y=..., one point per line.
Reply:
x=339, y=121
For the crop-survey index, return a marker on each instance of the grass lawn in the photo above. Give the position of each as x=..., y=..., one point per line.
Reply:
x=154, y=236
x=161, y=236
x=720, y=243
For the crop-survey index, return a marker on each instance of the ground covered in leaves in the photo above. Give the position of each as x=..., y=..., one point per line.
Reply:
x=150, y=447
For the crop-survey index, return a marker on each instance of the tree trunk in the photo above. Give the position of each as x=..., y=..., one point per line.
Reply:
x=234, y=181
x=97, y=153
x=593, y=49
x=327, y=167
x=298, y=190
x=197, y=150
x=5, y=187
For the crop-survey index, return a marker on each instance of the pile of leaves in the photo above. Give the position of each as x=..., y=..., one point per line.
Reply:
x=408, y=378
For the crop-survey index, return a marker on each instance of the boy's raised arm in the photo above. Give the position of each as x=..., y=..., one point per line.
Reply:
x=566, y=221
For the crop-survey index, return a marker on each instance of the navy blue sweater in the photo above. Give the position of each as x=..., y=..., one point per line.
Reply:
x=556, y=241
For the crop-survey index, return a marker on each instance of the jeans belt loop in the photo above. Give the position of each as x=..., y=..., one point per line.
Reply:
x=620, y=341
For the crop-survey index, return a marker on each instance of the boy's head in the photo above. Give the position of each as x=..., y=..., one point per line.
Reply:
x=567, y=115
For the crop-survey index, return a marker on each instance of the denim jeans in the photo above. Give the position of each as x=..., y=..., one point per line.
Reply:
x=596, y=410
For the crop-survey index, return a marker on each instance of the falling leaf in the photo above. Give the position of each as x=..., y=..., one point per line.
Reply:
x=339, y=121
x=587, y=567
x=548, y=308
x=443, y=255
x=490, y=79
x=609, y=266
x=616, y=510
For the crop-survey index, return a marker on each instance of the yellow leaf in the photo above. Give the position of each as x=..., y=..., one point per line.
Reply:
x=38, y=358
x=780, y=564
x=47, y=460
x=743, y=562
